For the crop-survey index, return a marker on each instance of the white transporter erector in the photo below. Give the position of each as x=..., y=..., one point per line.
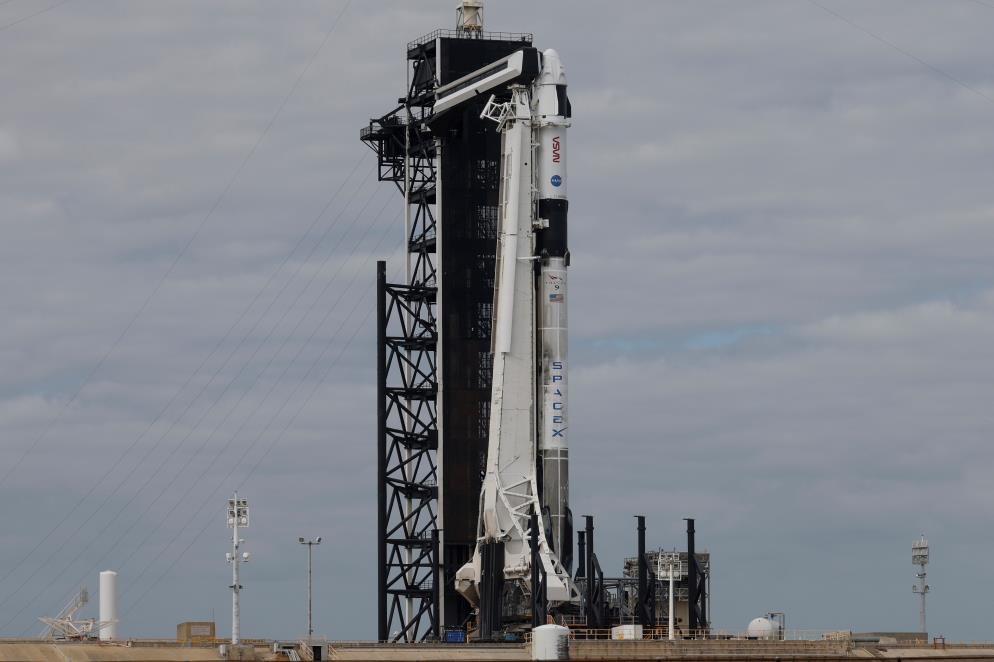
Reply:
x=527, y=453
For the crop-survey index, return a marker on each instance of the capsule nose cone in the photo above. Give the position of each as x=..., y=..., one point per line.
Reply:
x=552, y=68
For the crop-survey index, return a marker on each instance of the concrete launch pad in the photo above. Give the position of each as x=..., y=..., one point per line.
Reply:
x=728, y=651
x=592, y=650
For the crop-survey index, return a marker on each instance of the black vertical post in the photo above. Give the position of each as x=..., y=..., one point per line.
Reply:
x=491, y=589
x=590, y=605
x=381, y=447
x=643, y=580
x=692, y=615
x=436, y=614
x=646, y=602
x=581, y=554
x=589, y=572
x=535, y=560
x=540, y=597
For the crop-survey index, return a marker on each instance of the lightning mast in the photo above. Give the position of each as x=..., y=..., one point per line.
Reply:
x=469, y=16
x=238, y=517
x=919, y=557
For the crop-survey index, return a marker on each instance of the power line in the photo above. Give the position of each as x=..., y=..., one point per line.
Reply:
x=275, y=384
x=189, y=434
x=908, y=54
x=275, y=441
x=196, y=425
x=210, y=519
x=220, y=484
x=30, y=16
x=203, y=222
x=99, y=482
x=182, y=415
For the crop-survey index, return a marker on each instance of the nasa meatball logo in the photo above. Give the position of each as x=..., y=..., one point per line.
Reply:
x=557, y=180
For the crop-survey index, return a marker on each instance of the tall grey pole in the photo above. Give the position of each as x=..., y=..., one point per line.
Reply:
x=238, y=519
x=671, y=635
x=234, y=578
x=310, y=566
x=922, y=590
x=919, y=557
x=310, y=622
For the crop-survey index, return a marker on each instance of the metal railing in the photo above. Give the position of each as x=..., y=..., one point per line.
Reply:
x=527, y=37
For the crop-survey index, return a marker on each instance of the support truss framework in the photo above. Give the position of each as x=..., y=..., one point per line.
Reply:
x=407, y=377
x=417, y=560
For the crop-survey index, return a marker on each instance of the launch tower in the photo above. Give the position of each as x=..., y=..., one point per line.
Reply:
x=434, y=332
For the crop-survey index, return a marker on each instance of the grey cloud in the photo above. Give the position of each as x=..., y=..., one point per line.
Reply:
x=757, y=173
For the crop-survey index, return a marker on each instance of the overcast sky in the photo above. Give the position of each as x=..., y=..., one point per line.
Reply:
x=782, y=229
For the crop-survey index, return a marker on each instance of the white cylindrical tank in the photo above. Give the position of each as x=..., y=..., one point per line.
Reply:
x=108, y=605
x=762, y=628
x=550, y=642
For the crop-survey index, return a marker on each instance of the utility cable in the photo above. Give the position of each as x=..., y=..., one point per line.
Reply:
x=188, y=407
x=907, y=54
x=203, y=222
x=275, y=384
x=162, y=465
x=203, y=389
x=30, y=16
x=276, y=440
x=121, y=456
x=99, y=535
x=245, y=455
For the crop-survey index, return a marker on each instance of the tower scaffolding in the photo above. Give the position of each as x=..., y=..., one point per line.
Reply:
x=434, y=379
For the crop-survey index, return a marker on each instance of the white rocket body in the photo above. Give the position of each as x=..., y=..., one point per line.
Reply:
x=552, y=120
x=528, y=397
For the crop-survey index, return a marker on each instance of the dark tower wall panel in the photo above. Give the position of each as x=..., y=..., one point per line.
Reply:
x=434, y=362
x=468, y=204
x=458, y=57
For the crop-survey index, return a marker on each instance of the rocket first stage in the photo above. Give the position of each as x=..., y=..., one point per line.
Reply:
x=527, y=452
x=552, y=115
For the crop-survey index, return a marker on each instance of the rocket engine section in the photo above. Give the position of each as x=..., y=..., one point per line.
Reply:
x=527, y=454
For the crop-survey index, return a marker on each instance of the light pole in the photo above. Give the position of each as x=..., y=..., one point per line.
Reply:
x=310, y=547
x=671, y=635
x=238, y=518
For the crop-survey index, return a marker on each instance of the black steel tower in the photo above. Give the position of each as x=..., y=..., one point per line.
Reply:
x=434, y=362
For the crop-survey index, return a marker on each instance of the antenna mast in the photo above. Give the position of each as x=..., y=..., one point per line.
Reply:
x=238, y=518
x=919, y=557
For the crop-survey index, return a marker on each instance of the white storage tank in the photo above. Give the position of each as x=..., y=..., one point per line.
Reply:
x=108, y=605
x=550, y=642
x=763, y=628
